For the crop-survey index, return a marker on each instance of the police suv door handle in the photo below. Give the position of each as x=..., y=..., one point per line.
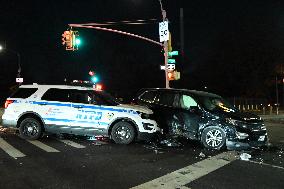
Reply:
x=78, y=107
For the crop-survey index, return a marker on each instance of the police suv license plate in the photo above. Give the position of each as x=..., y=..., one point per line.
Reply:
x=261, y=138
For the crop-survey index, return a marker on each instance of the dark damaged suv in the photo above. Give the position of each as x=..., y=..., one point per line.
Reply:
x=203, y=116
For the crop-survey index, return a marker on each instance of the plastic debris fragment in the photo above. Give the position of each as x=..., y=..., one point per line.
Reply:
x=245, y=156
x=202, y=155
x=171, y=142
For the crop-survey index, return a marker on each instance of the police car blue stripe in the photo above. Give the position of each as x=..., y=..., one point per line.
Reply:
x=51, y=103
x=99, y=108
x=54, y=119
x=83, y=106
x=77, y=121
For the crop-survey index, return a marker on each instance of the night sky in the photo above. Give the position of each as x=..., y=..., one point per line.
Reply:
x=235, y=48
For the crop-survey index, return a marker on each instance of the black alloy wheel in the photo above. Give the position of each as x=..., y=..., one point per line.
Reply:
x=122, y=133
x=30, y=129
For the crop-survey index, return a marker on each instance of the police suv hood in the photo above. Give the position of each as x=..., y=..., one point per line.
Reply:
x=139, y=108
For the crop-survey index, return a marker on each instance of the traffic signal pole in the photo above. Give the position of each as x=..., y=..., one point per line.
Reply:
x=164, y=14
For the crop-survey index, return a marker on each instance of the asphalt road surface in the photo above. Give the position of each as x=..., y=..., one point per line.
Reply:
x=72, y=162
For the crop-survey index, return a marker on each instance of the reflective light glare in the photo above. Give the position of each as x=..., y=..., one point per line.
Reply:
x=94, y=79
x=78, y=41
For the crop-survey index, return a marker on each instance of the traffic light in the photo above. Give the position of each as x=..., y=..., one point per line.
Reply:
x=94, y=79
x=99, y=87
x=67, y=39
x=173, y=75
x=91, y=73
x=71, y=40
x=76, y=40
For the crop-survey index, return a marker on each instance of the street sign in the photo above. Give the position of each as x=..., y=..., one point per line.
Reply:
x=171, y=61
x=162, y=67
x=171, y=67
x=164, y=31
x=19, y=80
x=173, y=53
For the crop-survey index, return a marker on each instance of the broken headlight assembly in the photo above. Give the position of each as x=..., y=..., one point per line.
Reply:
x=144, y=115
x=241, y=135
x=231, y=121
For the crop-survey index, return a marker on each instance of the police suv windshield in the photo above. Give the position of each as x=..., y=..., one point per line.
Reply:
x=108, y=98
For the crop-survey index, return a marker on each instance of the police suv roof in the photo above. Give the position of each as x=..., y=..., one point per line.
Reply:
x=35, y=85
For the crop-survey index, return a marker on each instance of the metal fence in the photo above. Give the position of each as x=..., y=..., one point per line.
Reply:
x=257, y=105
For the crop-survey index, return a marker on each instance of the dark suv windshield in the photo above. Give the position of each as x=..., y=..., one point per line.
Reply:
x=215, y=103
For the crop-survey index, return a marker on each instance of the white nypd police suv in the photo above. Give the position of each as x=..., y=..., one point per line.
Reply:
x=35, y=109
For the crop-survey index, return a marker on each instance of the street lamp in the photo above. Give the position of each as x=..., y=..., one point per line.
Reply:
x=18, y=56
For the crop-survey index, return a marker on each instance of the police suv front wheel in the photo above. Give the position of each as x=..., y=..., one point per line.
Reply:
x=122, y=133
x=30, y=129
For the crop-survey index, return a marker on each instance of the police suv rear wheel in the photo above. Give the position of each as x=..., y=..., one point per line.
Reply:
x=122, y=133
x=213, y=138
x=30, y=129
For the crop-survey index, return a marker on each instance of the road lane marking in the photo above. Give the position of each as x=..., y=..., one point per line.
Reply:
x=267, y=164
x=183, y=176
x=13, y=152
x=42, y=146
x=71, y=143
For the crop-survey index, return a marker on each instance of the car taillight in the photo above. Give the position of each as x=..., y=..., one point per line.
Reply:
x=8, y=102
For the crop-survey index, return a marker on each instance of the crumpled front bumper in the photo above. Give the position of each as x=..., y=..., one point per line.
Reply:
x=237, y=144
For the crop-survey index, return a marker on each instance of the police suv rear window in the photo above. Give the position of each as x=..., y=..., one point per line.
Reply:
x=23, y=93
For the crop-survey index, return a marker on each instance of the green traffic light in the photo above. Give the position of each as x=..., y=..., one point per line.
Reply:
x=94, y=79
x=78, y=41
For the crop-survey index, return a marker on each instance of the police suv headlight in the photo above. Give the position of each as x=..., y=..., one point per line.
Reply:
x=144, y=115
x=231, y=121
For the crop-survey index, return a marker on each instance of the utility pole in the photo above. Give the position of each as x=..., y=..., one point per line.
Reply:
x=276, y=90
x=181, y=35
x=164, y=14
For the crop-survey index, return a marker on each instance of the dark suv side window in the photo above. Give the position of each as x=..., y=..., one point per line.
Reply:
x=61, y=95
x=148, y=96
x=168, y=99
x=23, y=93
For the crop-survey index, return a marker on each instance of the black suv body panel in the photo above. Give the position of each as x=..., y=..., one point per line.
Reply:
x=243, y=130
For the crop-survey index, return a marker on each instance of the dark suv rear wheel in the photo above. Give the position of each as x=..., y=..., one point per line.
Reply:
x=213, y=138
x=30, y=129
